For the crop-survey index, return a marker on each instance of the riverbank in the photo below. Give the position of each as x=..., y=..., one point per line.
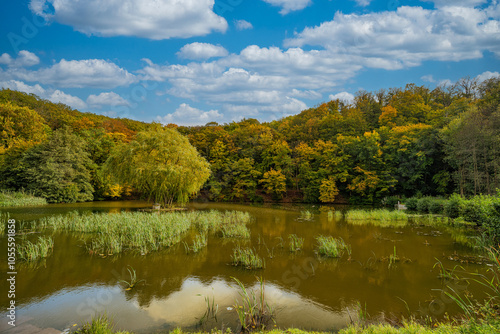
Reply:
x=19, y=198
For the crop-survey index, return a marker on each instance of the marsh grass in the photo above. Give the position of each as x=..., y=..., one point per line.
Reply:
x=306, y=216
x=34, y=251
x=254, y=313
x=376, y=217
x=295, y=243
x=142, y=232
x=98, y=325
x=246, y=258
x=132, y=283
x=19, y=198
x=199, y=242
x=211, y=310
x=332, y=247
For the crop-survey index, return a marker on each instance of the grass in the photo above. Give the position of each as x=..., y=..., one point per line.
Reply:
x=98, y=325
x=295, y=243
x=142, y=232
x=133, y=279
x=332, y=247
x=245, y=257
x=19, y=198
x=199, y=242
x=254, y=313
x=34, y=251
x=378, y=215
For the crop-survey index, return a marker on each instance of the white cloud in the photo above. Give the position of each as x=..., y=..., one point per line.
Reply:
x=22, y=87
x=60, y=97
x=343, y=96
x=107, y=99
x=363, y=3
x=306, y=94
x=243, y=25
x=428, y=78
x=201, y=51
x=405, y=38
x=153, y=19
x=189, y=116
x=288, y=6
x=447, y=3
x=24, y=59
x=78, y=73
x=487, y=75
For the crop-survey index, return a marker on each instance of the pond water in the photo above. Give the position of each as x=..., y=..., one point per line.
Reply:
x=306, y=291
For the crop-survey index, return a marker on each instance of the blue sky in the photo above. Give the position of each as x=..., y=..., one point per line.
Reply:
x=194, y=61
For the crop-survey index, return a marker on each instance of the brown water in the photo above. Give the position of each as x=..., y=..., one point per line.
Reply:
x=308, y=292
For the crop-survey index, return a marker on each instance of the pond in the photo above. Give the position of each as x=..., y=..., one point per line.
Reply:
x=306, y=291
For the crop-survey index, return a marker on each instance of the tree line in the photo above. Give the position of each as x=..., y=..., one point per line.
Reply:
x=402, y=141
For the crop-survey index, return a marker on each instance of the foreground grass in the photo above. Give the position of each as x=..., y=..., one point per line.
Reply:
x=19, y=198
x=34, y=251
x=141, y=231
x=103, y=326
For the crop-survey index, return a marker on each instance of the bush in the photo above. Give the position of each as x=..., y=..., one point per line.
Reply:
x=436, y=205
x=423, y=204
x=411, y=203
x=453, y=207
x=391, y=201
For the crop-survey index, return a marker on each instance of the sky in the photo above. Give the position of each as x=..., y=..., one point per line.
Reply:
x=191, y=62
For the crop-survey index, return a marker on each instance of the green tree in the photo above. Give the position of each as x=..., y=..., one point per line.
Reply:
x=56, y=169
x=274, y=182
x=161, y=164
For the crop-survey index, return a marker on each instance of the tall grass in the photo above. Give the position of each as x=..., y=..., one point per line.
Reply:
x=254, y=313
x=98, y=325
x=246, y=257
x=379, y=214
x=332, y=247
x=295, y=243
x=19, y=198
x=140, y=231
x=34, y=251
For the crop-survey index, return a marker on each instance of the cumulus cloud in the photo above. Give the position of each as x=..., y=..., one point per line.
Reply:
x=201, y=51
x=96, y=73
x=24, y=59
x=152, y=19
x=22, y=87
x=242, y=25
x=465, y=3
x=70, y=100
x=342, y=96
x=408, y=36
x=428, y=78
x=107, y=99
x=189, y=116
x=288, y=6
x=363, y=3
x=487, y=75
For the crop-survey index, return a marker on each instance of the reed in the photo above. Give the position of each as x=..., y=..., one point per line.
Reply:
x=295, y=243
x=235, y=230
x=132, y=283
x=19, y=198
x=34, y=251
x=332, y=247
x=246, y=258
x=254, y=313
x=378, y=214
x=142, y=231
x=98, y=325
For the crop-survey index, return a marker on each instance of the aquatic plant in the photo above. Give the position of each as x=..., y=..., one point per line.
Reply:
x=33, y=251
x=376, y=215
x=19, y=198
x=211, y=309
x=254, y=313
x=235, y=230
x=332, y=247
x=247, y=258
x=295, y=243
x=132, y=283
x=100, y=324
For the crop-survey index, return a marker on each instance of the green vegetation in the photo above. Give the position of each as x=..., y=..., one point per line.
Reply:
x=34, y=251
x=19, y=198
x=332, y=247
x=254, y=312
x=199, y=242
x=139, y=231
x=133, y=279
x=246, y=258
x=380, y=214
x=295, y=243
x=98, y=325
x=234, y=230
x=161, y=164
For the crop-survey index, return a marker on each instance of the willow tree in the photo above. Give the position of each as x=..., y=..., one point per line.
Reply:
x=161, y=164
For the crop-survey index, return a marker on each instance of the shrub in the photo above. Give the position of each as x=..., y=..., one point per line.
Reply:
x=391, y=201
x=436, y=205
x=411, y=203
x=423, y=204
x=453, y=207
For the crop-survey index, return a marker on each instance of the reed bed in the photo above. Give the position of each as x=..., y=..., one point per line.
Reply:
x=295, y=243
x=34, y=251
x=379, y=217
x=19, y=198
x=332, y=247
x=140, y=231
x=245, y=257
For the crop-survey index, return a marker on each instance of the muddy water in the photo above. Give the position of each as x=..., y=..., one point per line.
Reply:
x=306, y=291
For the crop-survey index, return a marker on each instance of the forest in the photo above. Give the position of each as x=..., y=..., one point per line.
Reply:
x=411, y=141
